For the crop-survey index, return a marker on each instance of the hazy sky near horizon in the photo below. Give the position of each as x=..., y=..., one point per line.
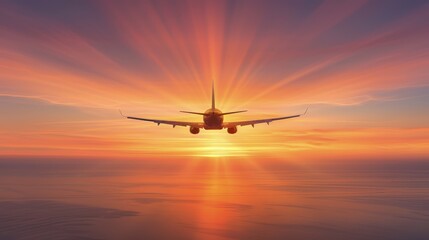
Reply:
x=362, y=66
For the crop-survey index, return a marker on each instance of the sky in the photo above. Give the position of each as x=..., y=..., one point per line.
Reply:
x=66, y=67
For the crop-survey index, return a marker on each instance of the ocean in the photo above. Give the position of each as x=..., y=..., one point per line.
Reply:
x=213, y=199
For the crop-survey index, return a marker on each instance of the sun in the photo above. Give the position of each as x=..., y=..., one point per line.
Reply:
x=218, y=145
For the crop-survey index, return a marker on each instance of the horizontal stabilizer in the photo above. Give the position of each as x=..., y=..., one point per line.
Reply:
x=197, y=113
x=233, y=112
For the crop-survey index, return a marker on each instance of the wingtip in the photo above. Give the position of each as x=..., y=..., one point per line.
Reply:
x=305, y=111
x=120, y=112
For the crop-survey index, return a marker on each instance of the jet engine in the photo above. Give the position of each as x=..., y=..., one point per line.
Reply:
x=194, y=130
x=232, y=130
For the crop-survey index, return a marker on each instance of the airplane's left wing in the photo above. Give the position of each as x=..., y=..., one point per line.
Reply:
x=173, y=123
x=253, y=122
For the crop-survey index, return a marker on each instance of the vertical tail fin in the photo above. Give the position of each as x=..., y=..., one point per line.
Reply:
x=213, y=96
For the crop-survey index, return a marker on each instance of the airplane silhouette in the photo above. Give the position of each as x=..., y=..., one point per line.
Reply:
x=213, y=120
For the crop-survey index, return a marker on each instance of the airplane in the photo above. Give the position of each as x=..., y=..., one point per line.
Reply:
x=213, y=119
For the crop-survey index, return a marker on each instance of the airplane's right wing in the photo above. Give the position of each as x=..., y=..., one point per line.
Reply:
x=168, y=122
x=253, y=122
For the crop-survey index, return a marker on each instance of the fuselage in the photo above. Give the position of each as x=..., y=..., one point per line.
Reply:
x=213, y=119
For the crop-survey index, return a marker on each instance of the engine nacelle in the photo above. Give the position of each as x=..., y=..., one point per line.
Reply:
x=232, y=130
x=194, y=130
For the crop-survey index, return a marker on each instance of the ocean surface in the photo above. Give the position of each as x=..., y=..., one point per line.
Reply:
x=213, y=199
